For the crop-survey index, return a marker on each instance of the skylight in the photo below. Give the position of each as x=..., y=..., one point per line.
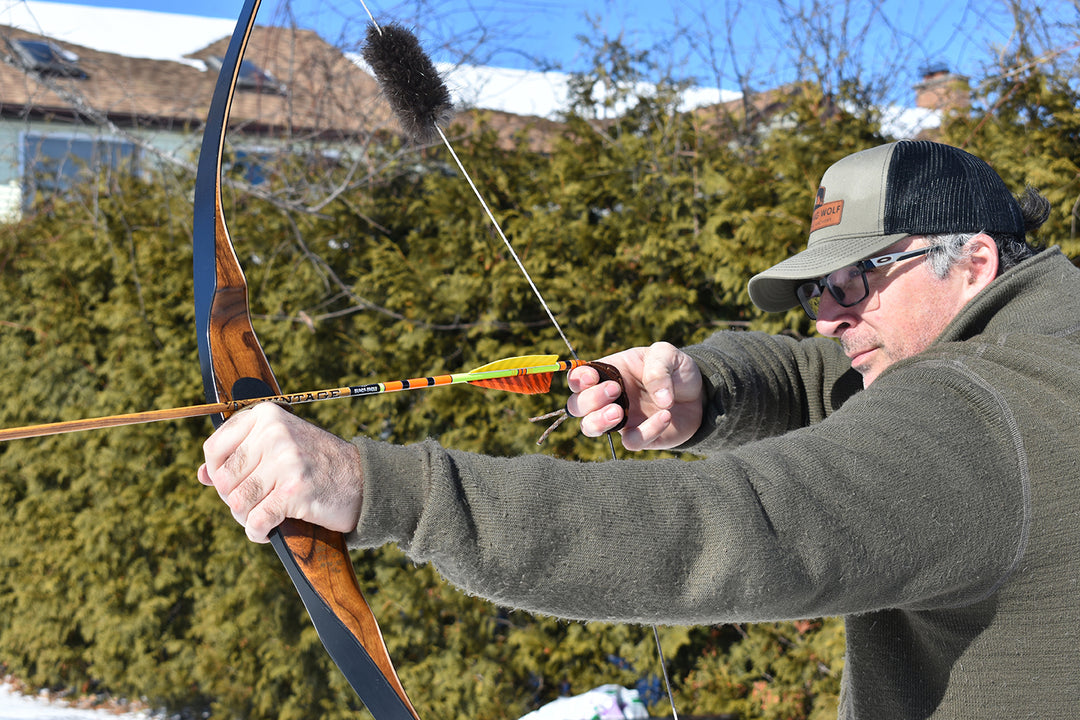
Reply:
x=47, y=58
x=252, y=77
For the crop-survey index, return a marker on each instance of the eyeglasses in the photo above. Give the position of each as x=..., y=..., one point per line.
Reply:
x=848, y=285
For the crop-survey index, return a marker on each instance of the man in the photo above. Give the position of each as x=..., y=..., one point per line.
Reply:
x=935, y=509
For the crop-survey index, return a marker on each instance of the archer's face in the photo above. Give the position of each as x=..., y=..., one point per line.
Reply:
x=906, y=310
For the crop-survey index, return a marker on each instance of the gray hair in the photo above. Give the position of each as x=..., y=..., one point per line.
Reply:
x=948, y=250
x=951, y=248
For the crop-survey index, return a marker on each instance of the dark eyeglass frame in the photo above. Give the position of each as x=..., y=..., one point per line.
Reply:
x=813, y=289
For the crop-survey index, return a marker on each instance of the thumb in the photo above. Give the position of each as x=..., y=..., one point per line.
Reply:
x=661, y=363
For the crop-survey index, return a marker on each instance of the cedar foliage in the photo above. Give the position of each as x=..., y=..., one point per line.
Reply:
x=122, y=574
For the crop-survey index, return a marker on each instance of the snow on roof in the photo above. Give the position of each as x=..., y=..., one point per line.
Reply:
x=523, y=92
x=528, y=92
x=116, y=30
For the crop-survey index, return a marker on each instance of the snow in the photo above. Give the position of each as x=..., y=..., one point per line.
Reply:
x=16, y=706
x=523, y=92
x=904, y=122
x=607, y=702
x=529, y=92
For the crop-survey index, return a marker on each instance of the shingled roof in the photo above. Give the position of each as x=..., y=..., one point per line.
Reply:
x=318, y=91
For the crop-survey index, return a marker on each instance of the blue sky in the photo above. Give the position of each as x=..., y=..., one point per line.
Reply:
x=903, y=35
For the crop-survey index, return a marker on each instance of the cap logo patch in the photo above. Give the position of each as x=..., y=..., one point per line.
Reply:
x=826, y=214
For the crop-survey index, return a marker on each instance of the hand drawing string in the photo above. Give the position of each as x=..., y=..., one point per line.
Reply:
x=421, y=102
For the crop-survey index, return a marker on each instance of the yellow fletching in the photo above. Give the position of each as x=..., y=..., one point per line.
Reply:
x=523, y=361
x=523, y=383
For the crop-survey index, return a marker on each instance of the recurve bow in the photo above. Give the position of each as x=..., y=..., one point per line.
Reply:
x=235, y=367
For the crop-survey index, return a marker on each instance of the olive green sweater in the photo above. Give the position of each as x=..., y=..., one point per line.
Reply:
x=937, y=510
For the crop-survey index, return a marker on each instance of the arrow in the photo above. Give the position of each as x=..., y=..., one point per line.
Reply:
x=527, y=375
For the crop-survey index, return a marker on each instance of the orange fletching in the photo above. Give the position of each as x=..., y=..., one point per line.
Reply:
x=524, y=382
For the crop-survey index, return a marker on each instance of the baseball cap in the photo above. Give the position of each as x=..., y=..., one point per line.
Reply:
x=871, y=199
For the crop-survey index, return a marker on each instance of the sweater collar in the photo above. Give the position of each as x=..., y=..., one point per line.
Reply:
x=1041, y=295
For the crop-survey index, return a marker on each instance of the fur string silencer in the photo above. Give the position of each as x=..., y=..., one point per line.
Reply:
x=417, y=95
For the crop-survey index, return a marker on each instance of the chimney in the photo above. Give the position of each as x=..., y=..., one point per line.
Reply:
x=942, y=90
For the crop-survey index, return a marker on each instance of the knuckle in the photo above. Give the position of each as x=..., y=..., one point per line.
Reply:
x=251, y=491
x=263, y=519
x=234, y=464
x=265, y=409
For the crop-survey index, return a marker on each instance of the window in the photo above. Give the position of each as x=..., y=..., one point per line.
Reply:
x=258, y=165
x=44, y=57
x=254, y=165
x=55, y=163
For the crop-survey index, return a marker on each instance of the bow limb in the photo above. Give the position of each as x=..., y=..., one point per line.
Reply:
x=234, y=367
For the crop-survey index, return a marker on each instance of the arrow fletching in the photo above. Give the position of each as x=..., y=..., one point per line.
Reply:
x=534, y=377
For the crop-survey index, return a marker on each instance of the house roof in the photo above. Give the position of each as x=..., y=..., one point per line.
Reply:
x=325, y=94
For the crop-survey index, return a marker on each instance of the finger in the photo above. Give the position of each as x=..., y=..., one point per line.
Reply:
x=239, y=484
x=593, y=399
x=662, y=361
x=205, y=479
x=602, y=421
x=262, y=519
x=231, y=473
x=238, y=479
x=644, y=435
x=582, y=378
x=223, y=443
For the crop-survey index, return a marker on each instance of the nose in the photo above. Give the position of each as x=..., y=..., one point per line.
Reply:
x=832, y=317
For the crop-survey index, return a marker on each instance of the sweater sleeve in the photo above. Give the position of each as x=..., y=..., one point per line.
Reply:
x=759, y=385
x=831, y=519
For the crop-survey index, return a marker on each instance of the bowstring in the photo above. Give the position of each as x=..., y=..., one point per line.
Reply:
x=558, y=327
x=510, y=249
x=574, y=355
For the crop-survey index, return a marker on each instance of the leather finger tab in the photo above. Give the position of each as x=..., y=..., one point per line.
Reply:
x=610, y=372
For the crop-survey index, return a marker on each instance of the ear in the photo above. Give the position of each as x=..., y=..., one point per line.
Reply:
x=982, y=263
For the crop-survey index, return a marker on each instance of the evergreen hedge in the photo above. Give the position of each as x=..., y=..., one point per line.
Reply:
x=122, y=574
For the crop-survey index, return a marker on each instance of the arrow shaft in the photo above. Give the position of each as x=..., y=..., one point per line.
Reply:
x=379, y=388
